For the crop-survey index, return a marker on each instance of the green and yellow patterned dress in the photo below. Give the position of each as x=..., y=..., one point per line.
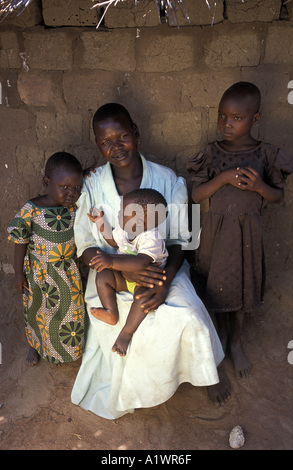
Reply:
x=54, y=310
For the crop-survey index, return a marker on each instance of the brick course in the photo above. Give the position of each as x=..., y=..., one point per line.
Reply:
x=56, y=69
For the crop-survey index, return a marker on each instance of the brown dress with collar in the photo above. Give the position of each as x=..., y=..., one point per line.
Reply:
x=230, y=259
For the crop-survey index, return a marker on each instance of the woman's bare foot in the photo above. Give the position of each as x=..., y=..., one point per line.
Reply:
x=220, y=393
x=121, y=344
x=105, y=315
x=32, y=357
x=240, y=362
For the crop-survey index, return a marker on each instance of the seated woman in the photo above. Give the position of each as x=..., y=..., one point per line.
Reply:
x=177, y=341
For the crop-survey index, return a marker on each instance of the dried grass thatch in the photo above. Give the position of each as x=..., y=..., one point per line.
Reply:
x=169, y=7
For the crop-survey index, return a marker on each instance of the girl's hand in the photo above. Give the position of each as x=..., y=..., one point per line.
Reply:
x=150, y=277
x=231, y=176
x=250, y=179
x=101, y=261
x=20, y=281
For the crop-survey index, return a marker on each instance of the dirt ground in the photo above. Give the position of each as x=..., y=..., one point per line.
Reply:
x=36, y=412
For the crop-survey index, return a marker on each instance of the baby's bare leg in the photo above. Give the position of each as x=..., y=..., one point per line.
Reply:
x=108, y=282
x=135, y=317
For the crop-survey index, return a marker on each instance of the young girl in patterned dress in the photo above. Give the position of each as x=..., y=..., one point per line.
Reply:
x=45, y=265
x=237, y=175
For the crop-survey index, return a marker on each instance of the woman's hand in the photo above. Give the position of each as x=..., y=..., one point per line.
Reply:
x=156, y=296
x=87, y=171
x=152, y=298
x=150, y=277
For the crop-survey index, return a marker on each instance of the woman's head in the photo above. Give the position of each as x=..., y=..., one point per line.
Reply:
x=239, y=110
x=115, y=134
x=63, y=179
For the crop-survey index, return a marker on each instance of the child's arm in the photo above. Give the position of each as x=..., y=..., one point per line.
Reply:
x=103, y=226
x=120, y=262
x=246, y=179
x=250, y=180
x=19, y=277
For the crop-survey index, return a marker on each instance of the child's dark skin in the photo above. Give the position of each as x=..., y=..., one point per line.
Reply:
x=113, y=270
x=235, y=120
x=63, y=188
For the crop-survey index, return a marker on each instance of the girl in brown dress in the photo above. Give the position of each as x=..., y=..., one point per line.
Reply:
x=236, y=174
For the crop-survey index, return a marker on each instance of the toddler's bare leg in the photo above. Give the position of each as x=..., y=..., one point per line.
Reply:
x=108, y=282
x=134, y=319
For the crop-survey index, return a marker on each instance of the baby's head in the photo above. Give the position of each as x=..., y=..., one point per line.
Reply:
x=244, y=92
x=63, y=178
x=143, y=208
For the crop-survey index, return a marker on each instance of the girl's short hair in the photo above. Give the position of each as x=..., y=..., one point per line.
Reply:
x=111, y=110
x=61, y=159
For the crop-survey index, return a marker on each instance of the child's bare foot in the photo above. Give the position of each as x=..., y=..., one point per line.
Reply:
x=104, y=315
x=32, y=357
x=241, y=364
x=220, y=393
x=121, y=344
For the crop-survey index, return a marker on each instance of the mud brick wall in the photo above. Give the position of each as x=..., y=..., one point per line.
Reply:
x=57, y=68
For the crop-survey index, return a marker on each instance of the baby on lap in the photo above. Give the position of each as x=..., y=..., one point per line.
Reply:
x=139, y=244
